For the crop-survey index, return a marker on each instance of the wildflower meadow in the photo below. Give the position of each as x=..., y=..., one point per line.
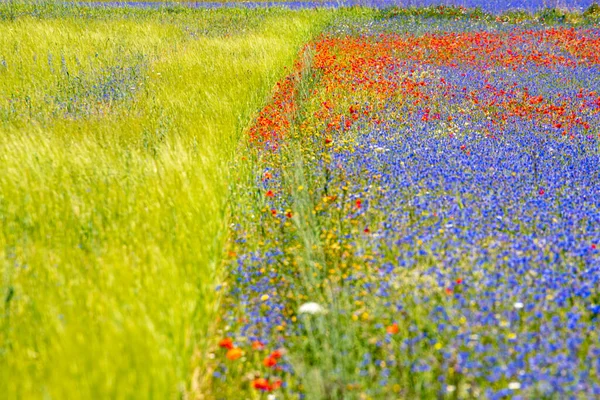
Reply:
x=386, y=200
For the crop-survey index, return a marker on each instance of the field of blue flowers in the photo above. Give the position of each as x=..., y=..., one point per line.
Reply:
x=421, y=215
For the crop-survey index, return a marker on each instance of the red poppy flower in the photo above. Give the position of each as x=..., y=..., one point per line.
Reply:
x=541, y=192
x=226, y=343
x=270, y=361
x=358, y=203
x=270, y=194
x=261, y=384
x=277, y=354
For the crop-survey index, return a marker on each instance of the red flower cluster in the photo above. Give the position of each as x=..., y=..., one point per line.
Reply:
x=275, y=119
x=233, y=352
x=345, y=65
x=272, y=358
x=265, y=385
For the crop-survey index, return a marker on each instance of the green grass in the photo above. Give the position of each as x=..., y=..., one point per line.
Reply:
x=117, y=128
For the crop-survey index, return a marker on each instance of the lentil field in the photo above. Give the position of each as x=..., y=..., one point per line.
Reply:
x=328, y=203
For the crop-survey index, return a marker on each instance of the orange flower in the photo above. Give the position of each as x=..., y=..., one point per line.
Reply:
x=392, y=329
x=234, y=354
x=226, y=343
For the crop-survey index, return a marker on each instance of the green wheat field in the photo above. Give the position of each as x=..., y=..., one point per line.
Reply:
x=117, y=128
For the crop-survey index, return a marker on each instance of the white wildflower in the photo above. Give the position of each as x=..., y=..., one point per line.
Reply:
x=514, y=386
x=311, y=308
x=518, y=305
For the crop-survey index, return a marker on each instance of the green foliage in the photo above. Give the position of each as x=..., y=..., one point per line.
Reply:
x=552, y=15
x=592, y=13
x=436, y=12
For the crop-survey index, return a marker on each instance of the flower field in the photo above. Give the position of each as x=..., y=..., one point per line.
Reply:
x=330, y=203
x=423, y=218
